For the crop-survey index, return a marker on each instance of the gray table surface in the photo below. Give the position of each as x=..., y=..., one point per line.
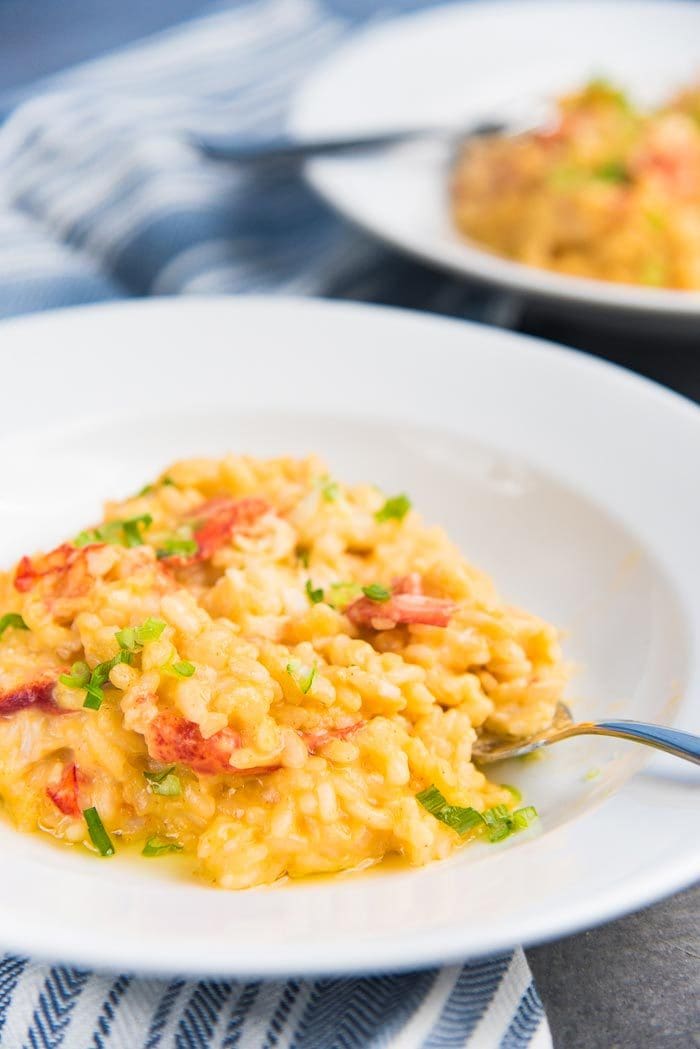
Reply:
x=631, y=984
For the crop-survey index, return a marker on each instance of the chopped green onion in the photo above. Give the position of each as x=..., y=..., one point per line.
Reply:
x=146, y=490
x=343, y=593
x=134, y=638
x=156, y=846
x=78, y=677
x=524, y=817
x=175, y=547
x=12, y=619
x=612, y=171
x=302, y=553
x=375, y=592
x=302, y=676
x=98, y=835
x=498, y=821
x=168, y=481
x=165, y=783
x=93, y=698
x=86, y=537
x=118, y=533
x=92, y=681
x=100, y=677
x=512, y=790
x=397, y=507
x=458, y=817
x=132, y=529
x=315, y=596
x=329, y=488
x=432, y=800
x=180, y=669
x=607, y=92
x=498, y=812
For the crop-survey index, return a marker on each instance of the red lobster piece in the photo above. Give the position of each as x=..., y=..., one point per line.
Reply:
x=320, y=736
x=65, y=568
x=172, y=740
x=407, y=604
x=65, y=795
x=39, y=694
x=214, y=522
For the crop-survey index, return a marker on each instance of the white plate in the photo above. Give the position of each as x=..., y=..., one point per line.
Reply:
x=573, y=482
x=451, y=65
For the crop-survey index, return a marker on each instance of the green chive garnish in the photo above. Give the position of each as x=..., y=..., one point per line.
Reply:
x=395, y=508
x=12, y=619
x=613, y=171
x=78, y=677
x=458, y=817
x=314, y=595
x=343, y=593
x=375, y=592
x=98, y=835
x=165, y=783
x=156, y=846
x=329, y=488
x=302, y=676
x=498, y=822
x=92, y=681
x=175, y=547
x=134, y=638
x=524, y=817
x=181, y=669
x=119, y=533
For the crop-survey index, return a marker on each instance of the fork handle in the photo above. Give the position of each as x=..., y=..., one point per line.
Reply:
x=671, y=740
x=253, y=149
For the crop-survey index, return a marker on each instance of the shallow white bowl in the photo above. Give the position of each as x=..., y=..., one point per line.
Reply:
x=456, y=64
x=572, y=482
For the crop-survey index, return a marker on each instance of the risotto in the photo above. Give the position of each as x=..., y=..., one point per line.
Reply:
x=267, y=670
x=608, y=191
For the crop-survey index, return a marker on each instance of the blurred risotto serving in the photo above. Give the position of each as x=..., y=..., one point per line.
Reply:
x=608, y=191
x=273, y=673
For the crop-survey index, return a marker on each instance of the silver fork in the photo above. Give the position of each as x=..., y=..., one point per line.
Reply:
x=519, y=116
x=489, y=749
x=236, y=149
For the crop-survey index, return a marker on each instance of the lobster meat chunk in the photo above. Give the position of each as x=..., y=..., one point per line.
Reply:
x=407, y=604
x=172, y=740
x=38, y=694
x=319, y=737
x=213, y=524
x=65, y=795
x=65, y=568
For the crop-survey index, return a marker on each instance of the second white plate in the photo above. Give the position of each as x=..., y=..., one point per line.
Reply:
x=456, y=64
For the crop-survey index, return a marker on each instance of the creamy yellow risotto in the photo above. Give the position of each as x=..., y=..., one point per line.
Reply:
x=272, y=672
x=608, y=191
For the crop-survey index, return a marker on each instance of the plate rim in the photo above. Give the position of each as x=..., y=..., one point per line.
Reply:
x=387, y=953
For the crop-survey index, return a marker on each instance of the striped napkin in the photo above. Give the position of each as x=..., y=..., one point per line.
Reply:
x=102, y=197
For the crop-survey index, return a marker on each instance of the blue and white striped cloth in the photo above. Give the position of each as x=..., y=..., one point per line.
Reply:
x=101, y=197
